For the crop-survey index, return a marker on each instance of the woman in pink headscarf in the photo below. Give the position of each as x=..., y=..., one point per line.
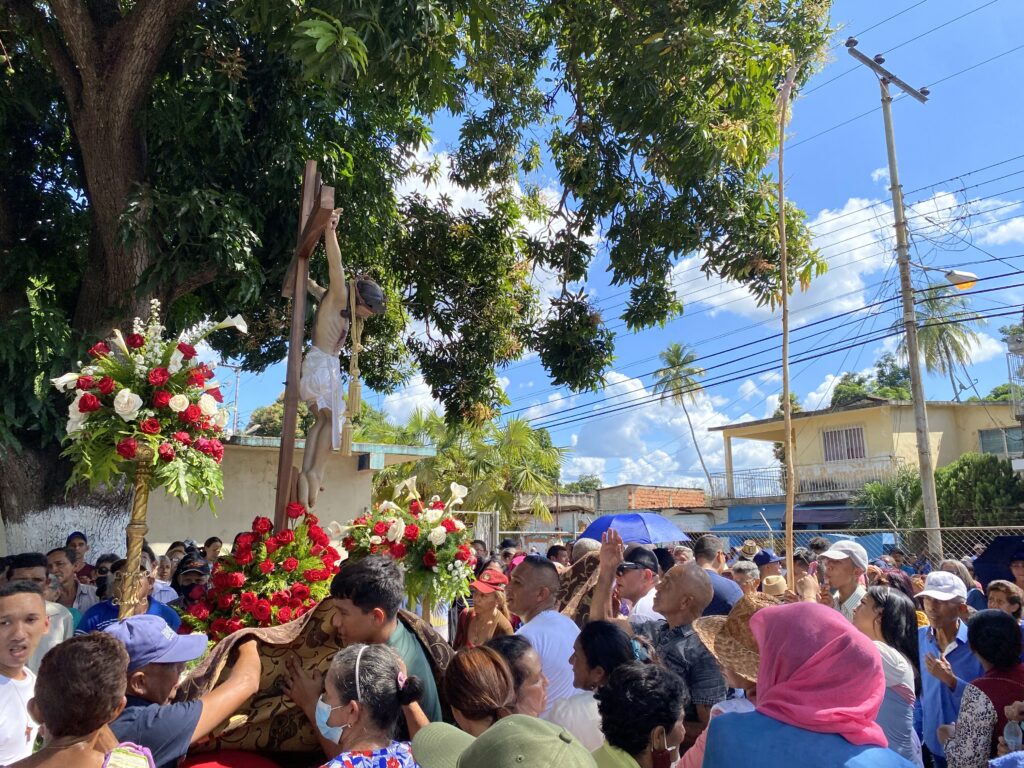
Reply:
x=819, y=687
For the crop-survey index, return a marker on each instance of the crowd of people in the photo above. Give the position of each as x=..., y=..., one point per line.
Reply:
x=597, y=653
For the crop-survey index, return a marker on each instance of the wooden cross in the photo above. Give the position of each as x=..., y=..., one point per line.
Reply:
x=315, y=208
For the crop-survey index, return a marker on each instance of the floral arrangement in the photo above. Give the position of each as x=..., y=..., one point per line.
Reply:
x=428, y=541
x=142, y=395
x=272, y=578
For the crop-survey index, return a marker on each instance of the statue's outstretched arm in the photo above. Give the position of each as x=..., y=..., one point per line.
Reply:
x=334, y=265
x=315, y=288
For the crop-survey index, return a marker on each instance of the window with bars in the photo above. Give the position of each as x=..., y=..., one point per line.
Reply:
x=1001, y=442
x=844, y=444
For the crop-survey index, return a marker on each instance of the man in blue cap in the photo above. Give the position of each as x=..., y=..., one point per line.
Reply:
x=156, y=659
x=768, y=563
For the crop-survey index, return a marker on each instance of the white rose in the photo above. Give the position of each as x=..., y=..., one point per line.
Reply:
x=376, y=540
x=127, y=404
x=207, y=405
x=178, y=403
x=437, y=536
x=396, y=530
x=175, y=362
x=221, y=419
x=459, y=525
x=66, y=382
x=431, y=516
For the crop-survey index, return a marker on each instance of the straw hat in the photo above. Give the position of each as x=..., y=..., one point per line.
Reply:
x=749, y=549
x=775, y=585
x=729, y=637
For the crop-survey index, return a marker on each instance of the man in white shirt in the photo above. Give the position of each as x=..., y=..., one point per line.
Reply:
x=31, y=567
x=75, y=596
x=23, y=623
x=532, y=594
x=636, y=577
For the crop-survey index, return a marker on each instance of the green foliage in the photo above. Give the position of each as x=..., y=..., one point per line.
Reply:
x=268, y=420
x=890, y=381
x=679, y=382
x=979, y=489
x=850, y=388
x=892, y=502
x=583, y=484
x=779, y=449
x=1001, y=393
x=496, y=462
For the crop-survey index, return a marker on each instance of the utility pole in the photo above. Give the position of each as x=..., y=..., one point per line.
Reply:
x=924, y=448
x=238, y=374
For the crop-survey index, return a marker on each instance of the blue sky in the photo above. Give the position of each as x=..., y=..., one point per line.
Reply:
x=966, y=195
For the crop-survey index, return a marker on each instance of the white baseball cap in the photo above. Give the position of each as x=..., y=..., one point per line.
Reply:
x=942, y=585
x=848, y=549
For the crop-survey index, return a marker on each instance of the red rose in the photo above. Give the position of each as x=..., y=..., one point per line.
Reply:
x=207, y=371
x=266, y=567
x=430, y=558
x=244, y=557
x=88, y=403
x=331, y=554
x=287, y=536
x=278, y=599
x=106, y=385
x=374, y=549
x=315, y=574
x=299, y=612
x=224, y=602
x=244, y=540
x=319, y=535
x=312, y=519
x=361, y=520
x=191, y=415
x=294, y=510
x=135, y=340
x=99, y=349
x=187, y=350
x=463, y=553
x=196, y=378
x=127, y=447
x=290, y=564
x=438, y=504
x=183, y=438
x=237, y=580
x=262, y=525
x=412, y=532
x=271, y=545
x=221, y=579
x=261, y=611
x=219, y=626
x=158, y=377
x=234, y=625
x=316, y=549
x=161, y=398
x=214, y=392
x=247, y=601
x=348, y=543
x=149, y=426
x=217, y=450
x=300, y=591
x=397, y=551
x=84, y=382
x=416, y=507
x=449, y=525
x=200, y=611
x=284, y=614
x=380, y=528
x=165, y=452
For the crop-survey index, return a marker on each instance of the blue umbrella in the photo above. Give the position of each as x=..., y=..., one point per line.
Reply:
x=636, y=527
x=994, y=562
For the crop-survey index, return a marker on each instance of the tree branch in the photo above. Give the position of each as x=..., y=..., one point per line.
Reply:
x=194, y=282
x=37, y=24
x=80, y=35
x=141, y=39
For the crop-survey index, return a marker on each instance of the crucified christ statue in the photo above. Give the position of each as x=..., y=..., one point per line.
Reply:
x=320, y=382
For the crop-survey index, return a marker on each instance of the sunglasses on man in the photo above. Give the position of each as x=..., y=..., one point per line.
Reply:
x=621, y=568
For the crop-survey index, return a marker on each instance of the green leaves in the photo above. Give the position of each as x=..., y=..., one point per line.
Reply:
x=575, y=346
x=979, y=489
x=327, y=35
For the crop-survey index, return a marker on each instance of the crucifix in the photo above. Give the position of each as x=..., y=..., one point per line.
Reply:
x=315, y=209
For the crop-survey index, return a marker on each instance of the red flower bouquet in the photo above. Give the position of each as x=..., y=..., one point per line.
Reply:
x=272, y=578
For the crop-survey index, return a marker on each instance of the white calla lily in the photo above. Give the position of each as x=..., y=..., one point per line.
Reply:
x=389, y=506
x=409, y=486
x=175, y=363
x=119, y=341
x=458, y=494
x=237, y=322
x=66, y=382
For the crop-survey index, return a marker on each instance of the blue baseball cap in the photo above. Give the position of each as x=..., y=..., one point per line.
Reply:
x=75, y=535
x=150, y=640
x=766, y=556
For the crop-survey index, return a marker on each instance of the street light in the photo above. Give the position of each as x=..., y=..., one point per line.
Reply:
x=960, y=279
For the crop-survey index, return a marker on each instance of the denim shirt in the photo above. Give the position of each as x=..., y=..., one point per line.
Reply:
x=680, y=649
x=938, y=704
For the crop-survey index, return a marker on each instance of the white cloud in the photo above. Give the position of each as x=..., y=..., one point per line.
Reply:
x=1011, y=231
x=821, y=396
x=748, y=389
x=400, y=405
x=771, y=377
x=986, y=348
x=582, y=465
x=880, y=174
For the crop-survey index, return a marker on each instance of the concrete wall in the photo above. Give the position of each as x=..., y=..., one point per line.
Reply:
x=954, y=428
x=250, y=477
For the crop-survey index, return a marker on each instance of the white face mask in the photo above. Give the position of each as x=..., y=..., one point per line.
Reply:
x=323, y=713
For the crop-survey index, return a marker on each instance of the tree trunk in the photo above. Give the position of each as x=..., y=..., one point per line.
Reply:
x=696, y=446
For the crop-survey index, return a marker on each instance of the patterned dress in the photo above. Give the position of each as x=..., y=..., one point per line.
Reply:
x=397, y=754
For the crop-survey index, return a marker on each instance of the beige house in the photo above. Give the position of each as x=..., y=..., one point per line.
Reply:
x=838, y=450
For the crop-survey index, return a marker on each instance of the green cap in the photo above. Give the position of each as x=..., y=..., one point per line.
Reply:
x=517, y=741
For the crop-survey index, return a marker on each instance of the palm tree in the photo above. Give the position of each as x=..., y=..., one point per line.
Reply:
x=944, y=344
x=678, y=382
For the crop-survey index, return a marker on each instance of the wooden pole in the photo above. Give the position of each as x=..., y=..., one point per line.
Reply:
x=787, y=407
x=127, y=584
x=315, y=207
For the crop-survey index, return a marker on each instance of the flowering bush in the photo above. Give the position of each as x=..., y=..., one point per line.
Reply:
x=428, y=541
x=272, y=578
x=142, y=390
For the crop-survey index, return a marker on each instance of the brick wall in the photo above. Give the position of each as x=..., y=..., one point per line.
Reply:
x=647, y=497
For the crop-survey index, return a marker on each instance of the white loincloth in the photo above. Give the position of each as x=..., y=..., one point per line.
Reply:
x=320, y=383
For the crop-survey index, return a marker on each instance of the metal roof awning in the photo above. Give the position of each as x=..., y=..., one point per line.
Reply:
x=747, y=525
x=827, y=514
